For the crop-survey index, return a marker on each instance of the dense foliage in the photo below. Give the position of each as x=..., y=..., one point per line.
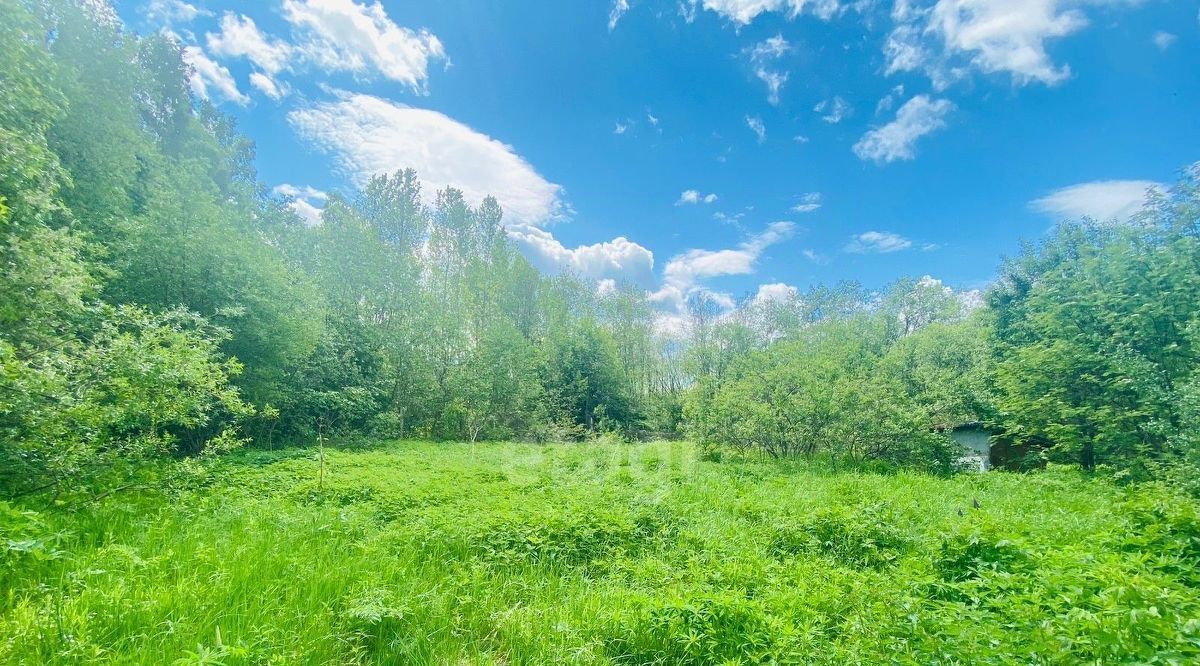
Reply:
x=157, y=299
x=160, y=307
x=605, y=554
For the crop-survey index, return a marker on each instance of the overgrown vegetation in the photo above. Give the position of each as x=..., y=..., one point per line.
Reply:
x=604, y=554
x=161, y=308
x=157, y=299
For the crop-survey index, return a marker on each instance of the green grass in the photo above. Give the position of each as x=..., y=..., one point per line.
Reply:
x=513, y=553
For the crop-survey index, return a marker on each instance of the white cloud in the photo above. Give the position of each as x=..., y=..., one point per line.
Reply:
x=619, y=259
x=342, y=35
x=621, y=128
x=240, y=38
x=210, y=79
x=745, y=11
x=606, y=287
x=762, y=55
x=369, y=136
x=733, y=220
x=268, y=86
x=993, y=36
x=808, y=203
x=800, y=138
x=683, y=272
x=694, y=197
x=652, y=119
x=304, y=201
x=777, y=292
x=815, y=257
x=1101, y=200
x=877, y=242
x=1163, y=40
x=618, y=10
x=889, y=100
x=897, y=140
x=756, y=125
x=837, y=109
x=172, y=12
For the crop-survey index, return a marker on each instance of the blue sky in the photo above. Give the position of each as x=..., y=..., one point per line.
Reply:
x=719, y=145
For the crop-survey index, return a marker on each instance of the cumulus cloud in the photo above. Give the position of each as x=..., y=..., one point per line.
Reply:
x=211, y=80
x=619, y=7
x=306, y=201
x=694, y=197
x=835, y=110
x=877, y=242
x=756, y=125
x=344, y=36
x=776, y=292
x=368, y=136
x=619, y=259
x=1101, y=200
x=947, y=37
x=897, y=140
x=808, y=203
x=745, y=11
x=762, y=57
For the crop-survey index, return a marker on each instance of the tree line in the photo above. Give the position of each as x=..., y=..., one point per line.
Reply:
x=158, y=300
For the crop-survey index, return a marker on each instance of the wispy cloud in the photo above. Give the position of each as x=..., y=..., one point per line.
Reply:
x=684, y=273
x=369, y=135
x=762, y=58
x=834, y=110
x=239, y=37
x=808, y=203
x=210, y=79
x=619, y=7
x=897, y=140
x=756, y=125
x=745, y=11
x=1163, y=40
x=173, y=12
x=877, y=242
x=1101, y=200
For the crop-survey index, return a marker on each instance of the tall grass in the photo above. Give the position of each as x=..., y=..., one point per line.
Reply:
x=416, y=553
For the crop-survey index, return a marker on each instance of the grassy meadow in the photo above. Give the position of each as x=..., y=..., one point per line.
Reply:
x=416, y=553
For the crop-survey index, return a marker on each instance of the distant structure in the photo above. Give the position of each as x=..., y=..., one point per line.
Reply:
x=976, y=441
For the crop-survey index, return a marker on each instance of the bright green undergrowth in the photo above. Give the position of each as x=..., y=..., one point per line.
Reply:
x=602, y=554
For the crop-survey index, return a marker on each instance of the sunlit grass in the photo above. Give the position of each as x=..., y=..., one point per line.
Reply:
x=514, y=553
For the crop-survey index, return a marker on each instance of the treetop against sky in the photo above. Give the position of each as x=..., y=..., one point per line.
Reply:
x=730, y=146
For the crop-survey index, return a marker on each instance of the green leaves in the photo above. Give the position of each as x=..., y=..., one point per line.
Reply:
x=1092, y=337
